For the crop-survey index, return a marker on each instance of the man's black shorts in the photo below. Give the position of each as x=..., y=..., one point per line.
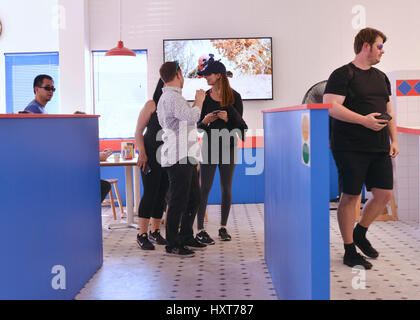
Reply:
x=374, y=169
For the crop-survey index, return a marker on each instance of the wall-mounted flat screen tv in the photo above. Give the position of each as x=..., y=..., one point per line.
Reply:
x=248, y=59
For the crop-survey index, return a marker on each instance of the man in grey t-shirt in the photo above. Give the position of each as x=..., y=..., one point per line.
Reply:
x=179, y=155
x=44, y=91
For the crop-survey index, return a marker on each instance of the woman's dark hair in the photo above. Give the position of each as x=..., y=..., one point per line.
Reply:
x=158, y=91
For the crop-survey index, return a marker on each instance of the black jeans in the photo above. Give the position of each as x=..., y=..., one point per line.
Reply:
x=184, y=198
x=155, y=185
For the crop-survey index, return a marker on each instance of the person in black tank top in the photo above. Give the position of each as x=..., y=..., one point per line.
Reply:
x=155, y=179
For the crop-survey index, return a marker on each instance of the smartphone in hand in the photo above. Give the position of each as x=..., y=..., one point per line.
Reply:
x=216, y=111
x=384, y=116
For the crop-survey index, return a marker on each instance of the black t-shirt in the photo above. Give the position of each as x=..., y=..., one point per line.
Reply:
x=366, y=91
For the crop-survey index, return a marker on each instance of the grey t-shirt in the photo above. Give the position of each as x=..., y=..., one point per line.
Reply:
x=35, y=107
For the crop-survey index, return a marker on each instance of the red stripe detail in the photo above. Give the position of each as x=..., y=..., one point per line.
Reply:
x=408, y=130
x=37, y=115
x=115, y=144
x=316, y=106
x=412, y=93
x=412, y=83
x=251, y=142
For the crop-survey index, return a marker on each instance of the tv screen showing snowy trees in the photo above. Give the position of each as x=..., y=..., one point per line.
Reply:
x=249, y=60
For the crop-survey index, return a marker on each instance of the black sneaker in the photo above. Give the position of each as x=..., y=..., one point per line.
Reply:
x=223, y=235
x=144, y=242
x=364, y=245
x=179, y=251
x=204, y=237
x=194, y=244
x=357, y=259
x=156, y=237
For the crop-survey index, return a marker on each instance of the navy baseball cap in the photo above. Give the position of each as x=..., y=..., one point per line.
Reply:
x=212, y=66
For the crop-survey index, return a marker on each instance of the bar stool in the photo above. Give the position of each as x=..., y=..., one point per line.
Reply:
x=111, y=200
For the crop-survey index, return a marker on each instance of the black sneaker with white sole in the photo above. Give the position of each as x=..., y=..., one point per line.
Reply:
x=194, y=244
x=144, y=243
x=224, y=235
x=204, y=237
x=157, y=237
x=353, y=260
x=179, y=252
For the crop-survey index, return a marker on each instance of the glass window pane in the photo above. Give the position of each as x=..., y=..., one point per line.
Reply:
x=120, y=91
x=21, y=70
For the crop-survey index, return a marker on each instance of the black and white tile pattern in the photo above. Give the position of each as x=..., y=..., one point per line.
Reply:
x=236, y=270
x=233, y=270
x=396, y=272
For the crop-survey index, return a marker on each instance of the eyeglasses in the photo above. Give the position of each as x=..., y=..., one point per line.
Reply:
x=48, y=88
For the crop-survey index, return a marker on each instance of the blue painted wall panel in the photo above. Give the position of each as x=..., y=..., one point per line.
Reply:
x=287, y=193
x=333, y=177
x=247, y=187
x=248, y=180
x=320, y=216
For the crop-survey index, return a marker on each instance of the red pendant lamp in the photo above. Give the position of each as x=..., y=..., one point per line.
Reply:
x=120, y=50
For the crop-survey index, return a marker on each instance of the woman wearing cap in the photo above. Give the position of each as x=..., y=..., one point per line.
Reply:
x=222, y=109
x=155, y=179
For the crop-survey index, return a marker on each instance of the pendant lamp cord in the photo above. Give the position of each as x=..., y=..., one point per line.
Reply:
x=120, y=19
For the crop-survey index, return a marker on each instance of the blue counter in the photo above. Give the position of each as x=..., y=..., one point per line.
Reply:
x=51, y=231
x=296, y=204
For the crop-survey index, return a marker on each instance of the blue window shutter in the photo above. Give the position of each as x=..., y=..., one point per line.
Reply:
x=21, y=70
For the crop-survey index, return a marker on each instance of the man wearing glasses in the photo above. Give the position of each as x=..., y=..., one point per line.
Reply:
x=44, y=91
x=363, y=141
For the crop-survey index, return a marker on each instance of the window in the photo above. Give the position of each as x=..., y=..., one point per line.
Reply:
x=120, y=92
x=21, y=70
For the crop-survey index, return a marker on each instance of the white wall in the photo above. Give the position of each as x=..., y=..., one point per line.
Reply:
x=75, y=59
x=28, y=26
x=310, y=37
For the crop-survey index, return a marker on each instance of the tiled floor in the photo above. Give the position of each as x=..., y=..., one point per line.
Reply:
x=236, y=270
x=396, y=272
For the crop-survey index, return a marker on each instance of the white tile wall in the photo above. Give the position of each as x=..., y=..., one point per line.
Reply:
x=407, y=109
x=407, y=113
x=407, y=177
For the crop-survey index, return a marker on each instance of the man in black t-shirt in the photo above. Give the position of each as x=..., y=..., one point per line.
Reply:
x=363, y=123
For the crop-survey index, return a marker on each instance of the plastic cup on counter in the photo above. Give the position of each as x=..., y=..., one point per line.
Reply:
x=116, y=157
